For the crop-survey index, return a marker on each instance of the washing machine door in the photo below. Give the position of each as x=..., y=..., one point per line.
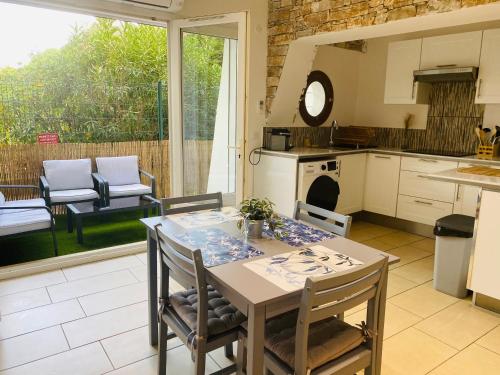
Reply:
x=324, y=193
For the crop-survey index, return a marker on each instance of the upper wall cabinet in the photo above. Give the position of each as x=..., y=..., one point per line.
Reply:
x=488, y=83
x=455, y=49
x=402, y=59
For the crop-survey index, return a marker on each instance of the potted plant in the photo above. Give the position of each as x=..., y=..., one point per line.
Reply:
x=254, y=213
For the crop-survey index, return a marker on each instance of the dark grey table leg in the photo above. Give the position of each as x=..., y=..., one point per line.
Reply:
x=152, y=288
x=79, y=229
x=69, y=220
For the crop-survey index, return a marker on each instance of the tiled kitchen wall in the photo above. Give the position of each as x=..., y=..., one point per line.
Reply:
x=450, y=124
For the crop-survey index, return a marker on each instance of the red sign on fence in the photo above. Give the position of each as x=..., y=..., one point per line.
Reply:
x=48, y=138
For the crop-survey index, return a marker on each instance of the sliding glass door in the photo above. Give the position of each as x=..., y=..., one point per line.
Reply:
x=207, y=81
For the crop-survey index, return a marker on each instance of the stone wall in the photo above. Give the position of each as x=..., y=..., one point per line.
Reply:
x=291, y=19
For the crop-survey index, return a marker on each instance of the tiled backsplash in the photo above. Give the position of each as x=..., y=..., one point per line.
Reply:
x=451, y=120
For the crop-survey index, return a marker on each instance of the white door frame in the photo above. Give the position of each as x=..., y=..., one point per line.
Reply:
x=175, y=28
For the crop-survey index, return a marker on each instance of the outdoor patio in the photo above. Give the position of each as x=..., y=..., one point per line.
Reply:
x=93, y=319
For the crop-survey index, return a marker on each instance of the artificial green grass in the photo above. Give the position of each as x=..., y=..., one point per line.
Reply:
x=98, y=232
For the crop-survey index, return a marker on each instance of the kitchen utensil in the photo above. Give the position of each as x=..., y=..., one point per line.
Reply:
x=478, y=133
x=492, y=136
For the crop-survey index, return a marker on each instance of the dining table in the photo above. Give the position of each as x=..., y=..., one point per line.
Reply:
x=258, y=297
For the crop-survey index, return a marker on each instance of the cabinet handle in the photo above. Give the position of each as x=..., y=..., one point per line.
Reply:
x=339, y=168
x=382, y=157
x=428, y=160
x=479, y=84
x=458, y=192
x=413, y=90
x=422, y=202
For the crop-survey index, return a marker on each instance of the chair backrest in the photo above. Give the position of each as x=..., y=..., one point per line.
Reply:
x=186, y=265
x=68, y=174
x=333, y=222
x=179, y=205
x=119, y=170
x=332, y=295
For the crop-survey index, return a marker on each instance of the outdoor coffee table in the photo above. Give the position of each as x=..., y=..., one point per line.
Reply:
x=78, y=211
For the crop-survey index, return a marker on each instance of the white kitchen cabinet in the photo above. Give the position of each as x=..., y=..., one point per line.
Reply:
x=485, y=278
x=402, y=59
x=415, y=185
x=381, y=184
x=351, y=182
x=460, y=50
x=421, y=210
x=426, y=165
x=466, y=198
x=488, y=83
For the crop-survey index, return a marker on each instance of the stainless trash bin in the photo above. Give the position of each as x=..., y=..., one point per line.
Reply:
x=452, y=254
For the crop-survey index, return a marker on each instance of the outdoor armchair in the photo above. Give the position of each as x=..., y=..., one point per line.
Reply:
x=25, y=216
x=70, y=181
x=122, y=177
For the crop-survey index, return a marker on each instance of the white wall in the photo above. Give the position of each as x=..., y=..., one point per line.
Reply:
x=341, y=65
x=370, y=107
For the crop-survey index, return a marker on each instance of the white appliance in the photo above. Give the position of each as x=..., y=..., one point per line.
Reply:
x=318, y=183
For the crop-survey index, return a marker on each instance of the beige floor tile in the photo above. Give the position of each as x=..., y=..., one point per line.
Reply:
x=178, y=362
x=36, y=281
x=412, y=352
x=459, y=325
x=95, y=284
x=143, y=257
x=419, y=271
x=140, y=272
x=407, y=254
x=355, y=309
x=112, y=299
x=491, y=340
x=99, y=268
x=396, y=319
x=361, y=235
x=377, y=244
x=423, y=300
x=31, y=346
x=397, y=285
x=427, y=244
x=474, y=360
x=397, y=239
x=89, y=359
x=107, y=324
x=132, y=346
x=40, y=317
x=29, y=299
x=220, y=358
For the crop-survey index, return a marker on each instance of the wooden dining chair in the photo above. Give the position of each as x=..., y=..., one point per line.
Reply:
x=311, y=340
x=179, y=205
x=329, y=221
x=200, y=317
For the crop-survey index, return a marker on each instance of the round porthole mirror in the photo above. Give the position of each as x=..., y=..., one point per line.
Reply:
x=316, y=102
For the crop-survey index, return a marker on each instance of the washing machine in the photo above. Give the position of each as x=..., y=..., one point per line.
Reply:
x=318, y=183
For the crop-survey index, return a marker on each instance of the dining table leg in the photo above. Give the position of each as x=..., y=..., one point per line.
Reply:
x=255, y=354
x=152, y=288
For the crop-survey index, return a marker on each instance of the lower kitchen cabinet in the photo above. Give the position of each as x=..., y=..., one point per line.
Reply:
x=466, y=200
x=351, y=182
x=422, y=210
x=381, y=184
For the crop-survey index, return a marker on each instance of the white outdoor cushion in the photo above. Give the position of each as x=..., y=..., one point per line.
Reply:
x=78, y=195
x=39, y=202
x=68, y=174
x=121, y=170
x=25, y=221
x=2, y=198
x=124, y=190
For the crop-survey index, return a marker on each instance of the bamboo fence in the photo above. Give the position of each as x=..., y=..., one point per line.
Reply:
x=22, y=164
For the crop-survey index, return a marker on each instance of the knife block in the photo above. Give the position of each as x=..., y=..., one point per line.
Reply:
x=487, y=152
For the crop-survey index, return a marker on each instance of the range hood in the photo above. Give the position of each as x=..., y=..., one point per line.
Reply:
x=446, y=73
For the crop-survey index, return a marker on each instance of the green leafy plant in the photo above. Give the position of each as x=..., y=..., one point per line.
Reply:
x=260, y=209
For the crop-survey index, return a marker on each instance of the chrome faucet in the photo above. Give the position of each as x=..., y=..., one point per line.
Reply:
x=335, y=126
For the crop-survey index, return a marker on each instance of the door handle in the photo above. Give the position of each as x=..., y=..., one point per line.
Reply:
x=382, y=157
x=458, y=192
x=422, y=202
x=428, y=160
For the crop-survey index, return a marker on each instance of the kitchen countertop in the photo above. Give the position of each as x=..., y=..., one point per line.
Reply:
x=452, y=175
x=306, y=153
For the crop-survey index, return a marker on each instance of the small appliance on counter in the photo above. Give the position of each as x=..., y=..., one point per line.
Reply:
x=277, y=139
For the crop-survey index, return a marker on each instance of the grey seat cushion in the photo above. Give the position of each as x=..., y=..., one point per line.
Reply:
x=222, y=316
x=25, y=221
x=328, y=339
x=38, y=202
x=126, y=190
x=63, y=196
